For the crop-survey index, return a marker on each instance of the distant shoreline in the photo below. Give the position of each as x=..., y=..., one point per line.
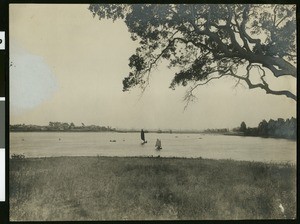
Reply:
x=279, y=163
x=135, y=131
x=243, y=135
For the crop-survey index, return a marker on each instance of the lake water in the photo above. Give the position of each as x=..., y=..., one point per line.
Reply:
x=48, y=144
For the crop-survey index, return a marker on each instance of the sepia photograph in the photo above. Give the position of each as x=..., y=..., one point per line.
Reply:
x=152, y=112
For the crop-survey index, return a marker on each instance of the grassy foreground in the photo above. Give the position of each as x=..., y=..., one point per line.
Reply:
x=111, y=188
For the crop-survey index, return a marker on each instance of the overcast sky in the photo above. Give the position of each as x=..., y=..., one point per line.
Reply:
x=68, y=66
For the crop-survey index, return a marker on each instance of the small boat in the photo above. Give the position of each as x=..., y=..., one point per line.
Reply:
x=143, y=137
x=158, y=144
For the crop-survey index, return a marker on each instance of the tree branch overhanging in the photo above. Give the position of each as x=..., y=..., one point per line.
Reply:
x=228, y=33
x=263, y=85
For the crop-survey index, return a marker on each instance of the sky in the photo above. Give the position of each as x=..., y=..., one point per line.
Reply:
x=68, y=66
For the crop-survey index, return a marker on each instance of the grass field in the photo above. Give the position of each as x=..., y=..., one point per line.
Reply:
x=111, y=188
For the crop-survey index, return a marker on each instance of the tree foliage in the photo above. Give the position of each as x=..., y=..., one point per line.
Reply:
x=209, y=41
x=278, y=129
x=243, y=127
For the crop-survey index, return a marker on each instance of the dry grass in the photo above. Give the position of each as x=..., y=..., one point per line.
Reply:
x=111, y=188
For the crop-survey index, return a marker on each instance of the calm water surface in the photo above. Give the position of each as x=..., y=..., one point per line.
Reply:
x=48, y=144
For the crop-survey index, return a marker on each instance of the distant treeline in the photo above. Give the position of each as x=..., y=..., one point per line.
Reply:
x=216, y=131
x=279, y=128
x=60, y=126
x=71, y=127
